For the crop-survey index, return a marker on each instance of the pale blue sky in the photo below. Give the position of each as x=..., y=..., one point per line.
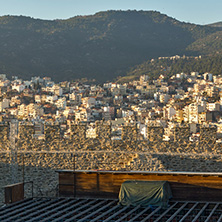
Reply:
x=193, y=11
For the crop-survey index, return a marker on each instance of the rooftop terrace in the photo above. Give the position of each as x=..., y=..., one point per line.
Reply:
x=82, y=210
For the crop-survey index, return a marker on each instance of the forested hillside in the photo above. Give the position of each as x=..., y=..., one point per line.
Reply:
x=169, y=67
x=102, y=46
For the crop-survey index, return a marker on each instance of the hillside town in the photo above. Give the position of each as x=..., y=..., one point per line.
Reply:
x=193, y=99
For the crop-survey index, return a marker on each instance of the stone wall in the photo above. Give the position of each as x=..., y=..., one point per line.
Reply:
x=4, y=136
x=130, y=140
x=40, y=167
x=43, y=157
x=181, y=135
x=155, y=134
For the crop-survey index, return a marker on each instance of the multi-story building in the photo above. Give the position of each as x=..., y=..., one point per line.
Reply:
x=4, y=104
x=213, y=106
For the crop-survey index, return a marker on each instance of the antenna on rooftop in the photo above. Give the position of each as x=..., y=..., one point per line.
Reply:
x=14, y=150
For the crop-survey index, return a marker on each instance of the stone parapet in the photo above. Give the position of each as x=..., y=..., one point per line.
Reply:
x=53, y=139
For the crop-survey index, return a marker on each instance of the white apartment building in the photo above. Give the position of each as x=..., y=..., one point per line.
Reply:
x=126, y=113
x=144, y=78
x=143, y=131
x=18, y=87
x=89, y=101
x=67, y=111
x=164, y=98
x=213, y=106
x=57, y=90
x=91, y=132
x=51, y=99
x=4, y=104
x=122, y=89
x=38, y=98
x=191, y=112
x=170, y=111
x=83, y=115
x=61, y=103
x=32, y=110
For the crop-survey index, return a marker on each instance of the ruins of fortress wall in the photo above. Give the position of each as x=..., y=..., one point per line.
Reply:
x=130, y=140
x=40, y=167
x=43, y=157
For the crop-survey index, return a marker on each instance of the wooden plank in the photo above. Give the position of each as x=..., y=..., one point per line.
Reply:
x=116, y=213
x=14, y=193
x=105, y=213
x=63, y=216
x=129, y=213
x=66, y=178
x=96, y=211
x=151, y=214
x=55, y=209
x=184, y=186
x=189, y=211
x=28, y=213
x=165, y=212
x=14, y=206
x=212, y=212
x=220, y=219
x=139, y=214
x=106, y=183
x=177, y=212
x=35, y=214
x=86, y=182
x=81, y=213
x=19, y=212
x=200, y=212
x=65, y=208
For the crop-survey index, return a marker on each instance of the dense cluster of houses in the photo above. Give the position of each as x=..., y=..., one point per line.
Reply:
x=194, y=99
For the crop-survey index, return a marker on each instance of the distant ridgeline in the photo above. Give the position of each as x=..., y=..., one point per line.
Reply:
x=101, y=46
x=169, y=66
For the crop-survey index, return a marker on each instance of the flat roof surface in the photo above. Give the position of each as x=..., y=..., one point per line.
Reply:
x=82, y=210
x=143, y=172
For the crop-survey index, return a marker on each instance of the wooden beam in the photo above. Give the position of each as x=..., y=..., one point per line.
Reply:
x=85, y=211
x=14, y=206
x=177, y=212
x=118, y=212
x=189, y=211
x=105, y=213
x=58, y=202
x=56, y=210
x=220, y=219
x=166, y=211
x=139, y=214
x=127, y=214
x=59, y=213
x=31, y=211
x=20, y=211
x=64, y=216
x=212, y=212
x=97, y=211
x=150, y=215
x=200, y=212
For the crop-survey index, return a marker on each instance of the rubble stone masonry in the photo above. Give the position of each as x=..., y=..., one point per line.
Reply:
x=39, y=158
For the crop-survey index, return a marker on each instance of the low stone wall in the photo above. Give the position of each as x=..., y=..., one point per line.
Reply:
x=40, y=167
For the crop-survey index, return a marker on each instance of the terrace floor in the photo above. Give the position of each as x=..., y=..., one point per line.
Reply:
x=82, y=210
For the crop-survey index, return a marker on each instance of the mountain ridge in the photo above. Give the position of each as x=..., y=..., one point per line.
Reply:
x=100, y=46
x=216, y=24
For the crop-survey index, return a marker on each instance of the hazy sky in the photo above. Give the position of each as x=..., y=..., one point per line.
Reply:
x=193, y=11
